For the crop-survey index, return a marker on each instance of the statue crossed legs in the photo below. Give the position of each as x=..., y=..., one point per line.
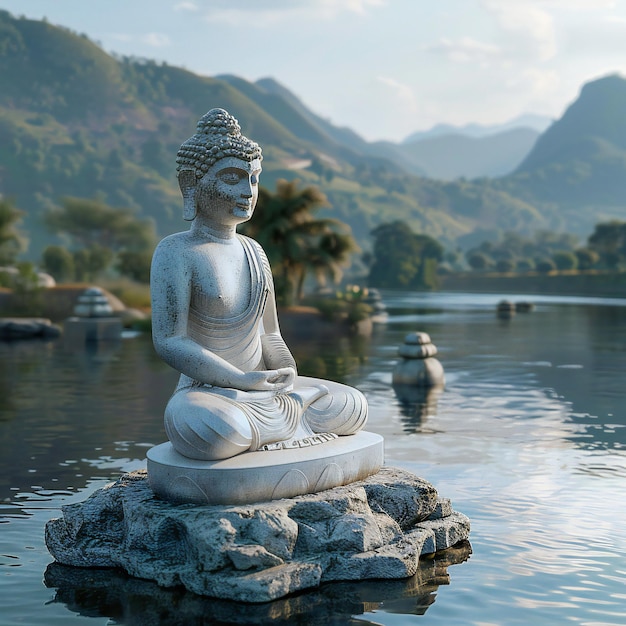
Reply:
x=214, y=317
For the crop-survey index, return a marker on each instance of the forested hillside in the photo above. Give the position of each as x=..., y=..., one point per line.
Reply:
x=76, y=121
x=577, y=167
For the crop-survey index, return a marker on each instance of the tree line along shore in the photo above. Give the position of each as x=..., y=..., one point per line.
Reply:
x=590, y=283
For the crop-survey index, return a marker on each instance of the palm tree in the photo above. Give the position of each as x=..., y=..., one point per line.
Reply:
x=331, y=256
x=295, y=241
x=11, y=241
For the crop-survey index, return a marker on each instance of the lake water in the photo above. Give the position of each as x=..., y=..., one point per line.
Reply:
x=528, y=439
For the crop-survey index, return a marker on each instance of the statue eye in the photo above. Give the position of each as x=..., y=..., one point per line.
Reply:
x=230, y=178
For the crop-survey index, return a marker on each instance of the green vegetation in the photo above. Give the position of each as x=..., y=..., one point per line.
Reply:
x=76, y=123
x=98, y=234
x=608, y=241
x=547, y=251
x=517, y=253
x=348, y=304
x=27, y=296
x=296, y=242
x=11, y=241
x=404, y=259
x=577, y=167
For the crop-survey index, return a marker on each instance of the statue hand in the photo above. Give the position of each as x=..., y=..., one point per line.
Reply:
x=281, y=379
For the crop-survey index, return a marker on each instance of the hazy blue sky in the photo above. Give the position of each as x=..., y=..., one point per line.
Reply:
x=382, y=67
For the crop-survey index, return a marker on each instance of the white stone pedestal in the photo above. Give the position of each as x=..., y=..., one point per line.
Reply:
x=264, y=475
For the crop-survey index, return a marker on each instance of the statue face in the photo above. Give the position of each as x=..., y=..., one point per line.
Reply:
x=228, y=192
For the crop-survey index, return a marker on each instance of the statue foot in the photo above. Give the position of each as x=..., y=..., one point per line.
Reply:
x=307, y=395
x=304, y=442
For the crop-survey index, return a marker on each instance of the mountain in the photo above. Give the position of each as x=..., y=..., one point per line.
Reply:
x=76, y=121
x=453, y=156
x=579, y=163
x=472, y=151
x=538, y=123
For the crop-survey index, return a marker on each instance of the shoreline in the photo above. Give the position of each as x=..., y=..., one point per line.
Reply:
x=590, y=283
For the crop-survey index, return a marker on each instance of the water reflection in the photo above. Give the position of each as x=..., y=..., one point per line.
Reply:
x=113, y=594
x=574, y=353
x=331, y=358
x=417, y=404
x=67, y=414
x=528, y=439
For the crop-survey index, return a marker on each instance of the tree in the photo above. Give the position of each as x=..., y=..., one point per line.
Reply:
x=515, y=247
x=545, y=266
x=565, y=260
x=135, y=265
x=478, y=260
x=404, y=259
x=331, y=255
x=525, y=265
x=295, y=241
x=59, y=262
x=98, y=233
x=609, y=241
x=505, y=265
x=587, y=258
x=92, y=261
x=11, y=242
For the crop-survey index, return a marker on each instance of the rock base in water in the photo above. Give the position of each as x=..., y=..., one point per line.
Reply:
x=375, y=528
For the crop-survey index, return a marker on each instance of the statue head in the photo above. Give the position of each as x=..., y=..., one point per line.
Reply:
x=218, y=135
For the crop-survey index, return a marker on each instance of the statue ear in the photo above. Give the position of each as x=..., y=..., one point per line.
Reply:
x=187, y=183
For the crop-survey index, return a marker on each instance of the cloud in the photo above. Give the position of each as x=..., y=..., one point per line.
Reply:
x=579, y=5
x=527, y=28
x=464, y=50
x=540, y=84
x=186, y=6
x=120, y=36
x=597, y=41
x=355, y=6
x=403, y=92
x=273, y=13
x=156, y=40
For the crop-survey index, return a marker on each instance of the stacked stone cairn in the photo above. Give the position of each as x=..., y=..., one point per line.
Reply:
x=417, y=366
x=93, y=320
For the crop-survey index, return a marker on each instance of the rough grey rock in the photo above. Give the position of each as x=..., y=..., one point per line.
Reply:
x=27, y=327
x=375, y=528
x=111, y=593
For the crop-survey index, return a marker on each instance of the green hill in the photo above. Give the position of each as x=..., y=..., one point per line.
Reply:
x=581, y=159
x=77, y=121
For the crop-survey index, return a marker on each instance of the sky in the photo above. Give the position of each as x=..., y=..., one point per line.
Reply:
x=384, y=68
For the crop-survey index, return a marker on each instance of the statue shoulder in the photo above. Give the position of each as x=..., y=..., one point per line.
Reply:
x=176, y=241
x=255, y=245
x=171, y=249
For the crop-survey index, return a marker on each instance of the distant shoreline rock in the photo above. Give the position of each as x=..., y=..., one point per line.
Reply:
x=27, y=327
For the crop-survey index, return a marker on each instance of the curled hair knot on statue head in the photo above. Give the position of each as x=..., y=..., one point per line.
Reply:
x=218, y=135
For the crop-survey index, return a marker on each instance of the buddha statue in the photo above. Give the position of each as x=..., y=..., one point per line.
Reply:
x=214, y=318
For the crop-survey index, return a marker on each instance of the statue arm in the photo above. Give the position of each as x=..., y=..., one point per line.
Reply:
x=170, y=293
